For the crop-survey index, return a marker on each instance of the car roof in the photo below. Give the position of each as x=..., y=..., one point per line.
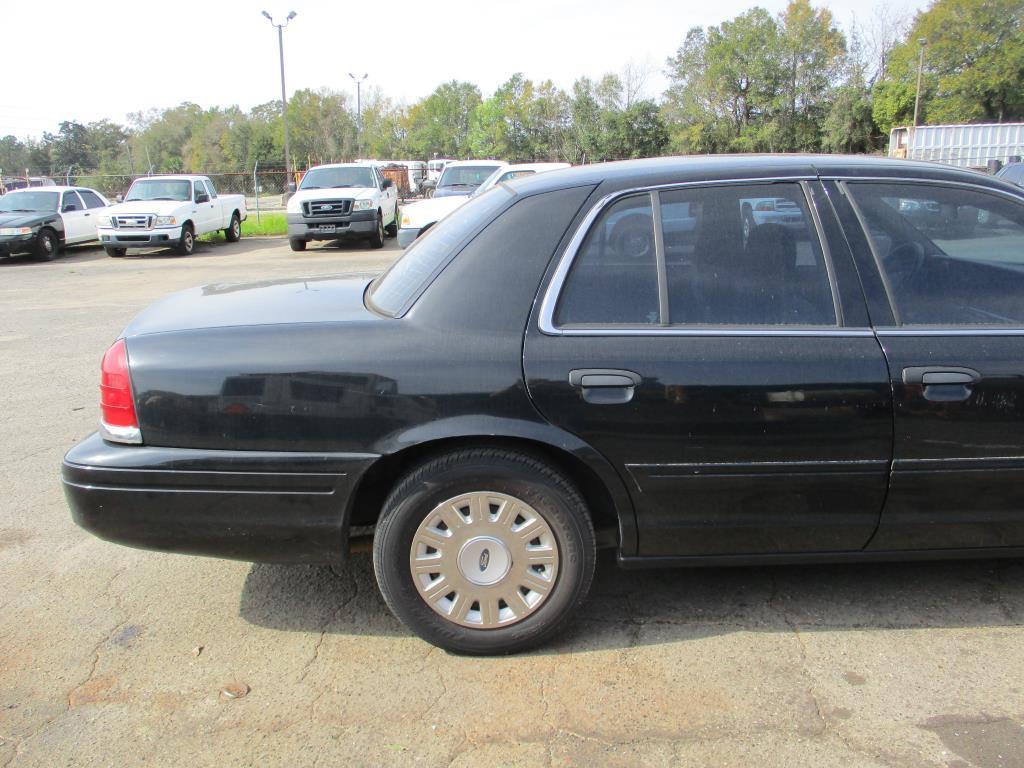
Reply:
x=357, y=164
x=51, y=188
x=625, y=174
x=471, y=163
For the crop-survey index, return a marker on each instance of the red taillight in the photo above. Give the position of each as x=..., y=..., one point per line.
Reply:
x=116, y=402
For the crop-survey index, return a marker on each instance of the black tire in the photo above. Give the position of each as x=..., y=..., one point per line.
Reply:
x=115, y=253
x=46, y=245
x=187, y=244
x=296, y=245
x=391, y=230
x=748, y=222
x=377, y=238
x=493, y=471
x=234, y=231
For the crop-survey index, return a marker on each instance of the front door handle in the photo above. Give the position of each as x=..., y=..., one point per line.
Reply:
x=942, y=383
x=605, y=386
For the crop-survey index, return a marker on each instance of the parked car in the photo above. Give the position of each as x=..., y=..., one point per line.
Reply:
x=436, y=166
x=11, y=183
x=1013, y=173
x=461, y=177
x=170, y=212
x=420, y=216
x=527, y=384
x=343, y=201
x=41, y=221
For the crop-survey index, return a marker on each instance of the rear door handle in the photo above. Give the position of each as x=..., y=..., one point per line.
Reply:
x=942, y=383
x=605, y=386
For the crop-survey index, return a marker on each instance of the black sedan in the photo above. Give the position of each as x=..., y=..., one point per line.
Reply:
x=557, y=368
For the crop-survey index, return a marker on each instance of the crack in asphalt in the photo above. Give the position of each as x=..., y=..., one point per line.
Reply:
x=19, y=743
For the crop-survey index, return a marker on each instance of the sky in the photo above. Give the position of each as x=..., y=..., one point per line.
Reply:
x=103, y=60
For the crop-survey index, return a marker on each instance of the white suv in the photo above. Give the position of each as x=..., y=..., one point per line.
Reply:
x=343, y=201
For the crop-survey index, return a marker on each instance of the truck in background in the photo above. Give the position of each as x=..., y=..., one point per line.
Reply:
x=985, y=146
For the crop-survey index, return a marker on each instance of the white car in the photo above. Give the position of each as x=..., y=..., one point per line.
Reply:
x=170, y=212
x=42, y=220
x=418, y=217
x=343, y=201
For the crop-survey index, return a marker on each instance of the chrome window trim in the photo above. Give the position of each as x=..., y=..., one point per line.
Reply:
x=553, y=291
x=753, y=331
x=826, y=253
x=664, y=318
x=1018, y=196
x=952, y=330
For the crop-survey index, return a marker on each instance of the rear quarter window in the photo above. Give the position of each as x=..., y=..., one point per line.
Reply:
x=397, y=288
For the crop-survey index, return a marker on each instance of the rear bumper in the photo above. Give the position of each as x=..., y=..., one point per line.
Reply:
x=262, y=506
x=358, y=224
x=155, y=238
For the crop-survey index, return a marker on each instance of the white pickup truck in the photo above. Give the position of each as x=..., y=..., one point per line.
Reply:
x=343, y=201
x=170, y=212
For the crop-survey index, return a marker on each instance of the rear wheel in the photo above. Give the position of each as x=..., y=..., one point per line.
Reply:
x=484, y=552
x=115, y=253
x=187, y=243
x=297, y=245
x=234, y=231
x=377, y=238
x=46, y=245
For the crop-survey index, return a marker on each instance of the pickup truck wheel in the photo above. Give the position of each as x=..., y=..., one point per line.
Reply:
x=234, y=231
x=391, y=230
x=297, y=245
x=484, y=551
x=115, y=253
x=46, y=245
x=377, y=238
x=187, y=243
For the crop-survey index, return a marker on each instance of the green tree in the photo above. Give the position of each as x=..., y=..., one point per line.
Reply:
x=501, y=125
x=724, y=80
x=439, y=125
x=973, y=65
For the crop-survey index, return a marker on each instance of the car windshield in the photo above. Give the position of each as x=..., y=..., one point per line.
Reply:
x=335, y=178
x=393, y=291
x=466, y=175
x=160, y=189
x=29, y=201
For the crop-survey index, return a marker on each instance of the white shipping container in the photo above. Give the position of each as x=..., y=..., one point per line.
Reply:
x=965, y=146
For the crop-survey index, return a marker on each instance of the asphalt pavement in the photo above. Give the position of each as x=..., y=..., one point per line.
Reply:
x=117, y=657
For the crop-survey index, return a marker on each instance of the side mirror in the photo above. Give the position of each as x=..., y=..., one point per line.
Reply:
x=387, y=183
x=202, y=197
x=119, y=199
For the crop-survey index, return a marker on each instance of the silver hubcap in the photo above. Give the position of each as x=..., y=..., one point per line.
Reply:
x=48, y=244
x=484, y=560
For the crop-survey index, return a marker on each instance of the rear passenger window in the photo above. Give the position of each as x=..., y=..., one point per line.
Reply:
x=614, y=278
x=744, y=255
x=949, y=255
x=92, y=200
x=733, y=255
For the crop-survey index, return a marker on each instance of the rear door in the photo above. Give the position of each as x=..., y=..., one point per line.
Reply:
x=724, y=367
x=951, y=262
x=79, y=224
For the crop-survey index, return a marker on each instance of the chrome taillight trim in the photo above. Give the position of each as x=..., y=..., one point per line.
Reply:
x=115, y=434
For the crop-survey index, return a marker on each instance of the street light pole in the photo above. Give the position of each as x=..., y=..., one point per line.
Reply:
x=922, y=42
x=284, y=95
x=359, y=108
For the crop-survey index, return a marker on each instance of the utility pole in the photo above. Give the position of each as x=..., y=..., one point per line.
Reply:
x=922, y=42
x=359, y=110
x=284, y=96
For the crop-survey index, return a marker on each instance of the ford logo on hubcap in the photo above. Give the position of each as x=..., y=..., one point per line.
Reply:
x=485, y=558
